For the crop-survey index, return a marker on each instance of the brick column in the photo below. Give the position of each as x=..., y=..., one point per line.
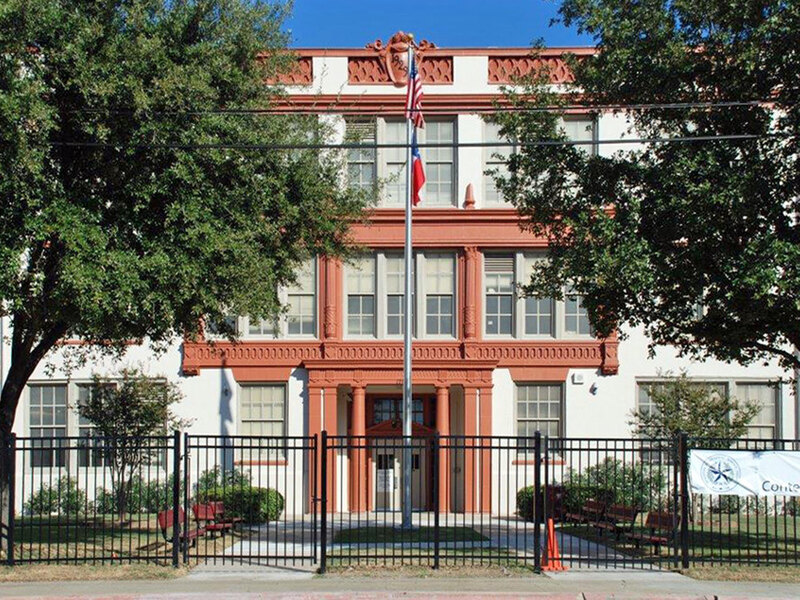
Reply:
x=443, y=427
x=330, y=424
x=358, y=455
x=315, y=428
x=486, y=453
x=470, y=429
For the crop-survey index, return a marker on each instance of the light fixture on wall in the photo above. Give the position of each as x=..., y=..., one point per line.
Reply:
x=593, y=389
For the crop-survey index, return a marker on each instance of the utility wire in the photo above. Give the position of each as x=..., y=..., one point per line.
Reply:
x=343, y=108
x=357, y=146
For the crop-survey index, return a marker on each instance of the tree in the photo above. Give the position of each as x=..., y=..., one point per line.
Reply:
x=680, y=405
x=115, y=226
x=125, y=411
x=696, y=242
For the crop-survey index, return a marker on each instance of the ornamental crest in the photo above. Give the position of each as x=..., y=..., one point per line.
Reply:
x=394, y=55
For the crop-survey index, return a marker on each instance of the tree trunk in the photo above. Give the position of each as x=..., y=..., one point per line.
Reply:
x=5, y=494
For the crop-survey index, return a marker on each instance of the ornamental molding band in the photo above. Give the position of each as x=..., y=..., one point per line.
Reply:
x=507, y=69
x=377, y=355
x=302, y=73
x=388, y=64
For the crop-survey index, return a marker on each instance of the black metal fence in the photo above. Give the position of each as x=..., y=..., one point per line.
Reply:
x=525, y=503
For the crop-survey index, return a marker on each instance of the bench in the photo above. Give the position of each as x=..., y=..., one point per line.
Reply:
x=661, y=526
x=219, y=515
x=591, y=512
x=207, y=519
x=619, y=519
x=187, y=538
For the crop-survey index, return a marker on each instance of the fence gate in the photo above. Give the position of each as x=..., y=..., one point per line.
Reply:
x=248, y=500
x=613, y=502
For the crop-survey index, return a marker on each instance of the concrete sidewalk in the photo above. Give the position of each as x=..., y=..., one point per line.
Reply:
x=222, y=584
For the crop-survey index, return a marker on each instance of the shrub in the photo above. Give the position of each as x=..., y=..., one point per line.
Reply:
x=64, y=498
x=218, y=477
x=525, y=503
x=251, y=504
x=555, y=502
x=615, y=482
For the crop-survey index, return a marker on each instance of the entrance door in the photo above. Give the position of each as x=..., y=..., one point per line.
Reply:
x=387, y=480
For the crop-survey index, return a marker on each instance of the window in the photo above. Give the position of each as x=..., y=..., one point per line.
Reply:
x=439, y=163
x=367, y=166
x=581, y=128
x=499, y=288
x=375, y=295
x=361, y=161
x=764, y=425
x=539, y=408
x=263, y=413
x=439, y=291
x=48, y=419
x=576, y=319
x=300, y=320
x=495, y=158
x=361, y=297
x=388, y=409
x=92, y=453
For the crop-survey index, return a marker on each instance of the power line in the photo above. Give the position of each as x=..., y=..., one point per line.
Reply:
x=357, y=146
x=339, y=108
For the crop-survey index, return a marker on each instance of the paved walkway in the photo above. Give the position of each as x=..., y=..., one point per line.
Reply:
x=284, y=584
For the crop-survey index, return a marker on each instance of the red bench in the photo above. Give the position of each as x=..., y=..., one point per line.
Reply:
x=619, y=519
x=591, y=512
x=207, y=519
x=219, y=515
x=661, y=526
x=165, y=523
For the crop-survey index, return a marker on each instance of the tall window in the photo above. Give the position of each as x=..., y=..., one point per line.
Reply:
x=395, y=295
x=92, y=455
x=764, y=425
x=439, y=294
x=499, y=288
x=539, y=311
x=439, y=163
x=263, y=413
x=495, y=158
x=576, y=319
x=361, y=164
x=301, y=319
x=581, y=128
x=361, y=297
x=394, y=164
x=539, y=408
x=300, y=299
x=375, y=294
x=48, y=419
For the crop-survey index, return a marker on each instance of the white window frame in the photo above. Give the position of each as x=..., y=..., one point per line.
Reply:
x=270, y=451
x=419, y=326
x=490, y=162
x=562, y=407
x=731, y=386
x=282, y=330
x=383, y=174
x=558, y=328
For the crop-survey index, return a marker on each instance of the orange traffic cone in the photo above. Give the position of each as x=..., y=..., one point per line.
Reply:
x=552, y=558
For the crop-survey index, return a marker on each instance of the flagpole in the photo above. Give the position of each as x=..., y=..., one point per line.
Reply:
x=409, y=281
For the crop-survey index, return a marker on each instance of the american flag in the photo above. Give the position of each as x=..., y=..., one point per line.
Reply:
x=414, y=96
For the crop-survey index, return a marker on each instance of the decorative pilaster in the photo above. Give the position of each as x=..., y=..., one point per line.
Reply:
x=358, y=460
x=486, y=452
x=470, y=433
x=443, y=427
x=471, y=293
x=332, y=305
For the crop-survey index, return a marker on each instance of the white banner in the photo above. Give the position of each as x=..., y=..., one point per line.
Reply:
x=745, y=473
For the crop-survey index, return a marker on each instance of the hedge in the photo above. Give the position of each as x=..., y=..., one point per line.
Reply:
x=251, y=504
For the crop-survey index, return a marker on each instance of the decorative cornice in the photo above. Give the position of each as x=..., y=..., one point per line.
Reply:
x=507, y=69
x=301, y=73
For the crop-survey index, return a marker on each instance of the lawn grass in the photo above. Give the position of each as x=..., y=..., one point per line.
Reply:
x=46, y=538
x=762, y=573
x=28, y=573
x=395, y=535
x=419, y=561
x=764, y=538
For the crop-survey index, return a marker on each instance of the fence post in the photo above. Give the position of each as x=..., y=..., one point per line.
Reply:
x=683, y=452
x=9, y=458
x=323, y=533
x=538, y=501
x=176, y=497
x=436, y=500
x=186, y=482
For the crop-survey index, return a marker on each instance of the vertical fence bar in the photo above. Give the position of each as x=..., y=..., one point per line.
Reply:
x=9, y=447
x=186, y=484
x=176, y=497
x=436, y=500
x=323, y=488
x=538, y=504
x=684, y=508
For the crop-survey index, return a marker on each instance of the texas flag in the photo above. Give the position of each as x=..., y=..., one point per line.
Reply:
x=417, y=170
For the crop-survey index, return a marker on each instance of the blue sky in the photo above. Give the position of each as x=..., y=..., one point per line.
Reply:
x=453, y=23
